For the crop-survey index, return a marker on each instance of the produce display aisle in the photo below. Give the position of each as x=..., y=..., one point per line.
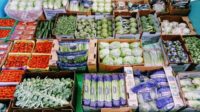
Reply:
x=99, y=55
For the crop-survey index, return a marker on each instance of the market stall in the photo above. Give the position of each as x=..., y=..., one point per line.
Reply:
x=98, y=55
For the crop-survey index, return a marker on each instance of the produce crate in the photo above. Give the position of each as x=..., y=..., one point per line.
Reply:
x=7, y=51
x=142, y=2
x=178, y=11
x=51, y=13
x=178, y=19
x=26, y=41
x=47, y=28
x=109, y=17
x=85, y=17
x=194, y=66
x=92, y=54
x=53, y=75
x=166, y=12
x=178, y=102
x=16, y=68
x=177, y=67
x=186, y=75
x=39, y=69
x=7, y=18
x=148, y=35
x=139, y=28
x=91, y=109
x=24, y=31
x=110, y=68
x=41, y=41
x=115, y=10
x=8, y=104
x=60, y=37
x=121, y=109
x=6, y=38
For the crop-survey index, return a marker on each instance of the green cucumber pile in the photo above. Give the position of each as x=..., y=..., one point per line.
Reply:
x=44, y=29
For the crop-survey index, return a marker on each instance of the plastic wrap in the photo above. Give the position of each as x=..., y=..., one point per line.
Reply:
x=24, y=10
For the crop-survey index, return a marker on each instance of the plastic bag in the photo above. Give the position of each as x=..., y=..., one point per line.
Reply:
x=24, y=10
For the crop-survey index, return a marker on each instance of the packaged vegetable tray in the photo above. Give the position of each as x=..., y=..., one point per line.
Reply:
x=103, y=90
x=156, y=89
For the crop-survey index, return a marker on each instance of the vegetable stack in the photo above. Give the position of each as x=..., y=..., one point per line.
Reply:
x=44, y=29
x=120, y=53
x=65, y=25
x=34, y=93
x=175, y=52
x=72, y=55
x=153, y=91
x=150, y=23
x=193, y=45
x=106, y=90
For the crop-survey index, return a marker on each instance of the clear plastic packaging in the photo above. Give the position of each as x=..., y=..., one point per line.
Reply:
x=24, y=10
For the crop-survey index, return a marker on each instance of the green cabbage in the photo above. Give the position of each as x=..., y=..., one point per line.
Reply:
x=124, y=45
x=138, y=60
x=128, y=60
x=118, y=61
x=104, y=45
x=137, y=51
x=115, y=45
x=134, y=45
x=103, y=53
x=115, y=52
x=108, y=60
x=125, y=52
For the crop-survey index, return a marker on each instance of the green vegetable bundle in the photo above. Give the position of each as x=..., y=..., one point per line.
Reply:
x=66, y=25
x=193, y=45
x=125, y=25
x=36, y=93
x=149, y=23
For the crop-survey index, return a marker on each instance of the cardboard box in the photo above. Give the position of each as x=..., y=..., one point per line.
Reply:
x=177, y=67
x=146, y=36
x=179, y=76
x=16, y=68
x=121, y=109
x=178, y=19
x=92, y=54
x=68, y=36
x=42, y=75
x=50, y=35
x=108, y=17
x=8, y=104
x=178, y=11
x=125, y=108
x=129, y=15
x=178, y=103
x=194, y=66
x=110, y=68
x=26, y=41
